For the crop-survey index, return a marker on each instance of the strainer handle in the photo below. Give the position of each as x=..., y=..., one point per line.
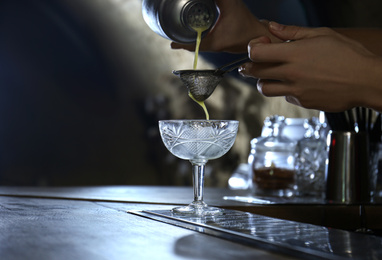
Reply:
x=235, y=64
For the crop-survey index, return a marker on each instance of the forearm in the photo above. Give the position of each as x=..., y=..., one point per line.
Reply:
x=370, y=38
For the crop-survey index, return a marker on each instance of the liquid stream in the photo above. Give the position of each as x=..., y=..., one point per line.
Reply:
x=199, y=31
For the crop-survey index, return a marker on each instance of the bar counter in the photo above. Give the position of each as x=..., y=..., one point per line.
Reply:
x=126, y=222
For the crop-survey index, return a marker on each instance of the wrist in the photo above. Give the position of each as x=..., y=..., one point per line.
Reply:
x=371, y=97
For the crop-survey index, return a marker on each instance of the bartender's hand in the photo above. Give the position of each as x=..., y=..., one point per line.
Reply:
x=235, y=27
x=318, y=69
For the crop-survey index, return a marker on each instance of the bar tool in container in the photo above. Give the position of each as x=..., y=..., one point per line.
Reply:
x=273, y=161
x=348, y=179
x=175, y=19
x=353, y=143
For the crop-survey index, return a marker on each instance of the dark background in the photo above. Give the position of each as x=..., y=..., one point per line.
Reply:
x=62, y=118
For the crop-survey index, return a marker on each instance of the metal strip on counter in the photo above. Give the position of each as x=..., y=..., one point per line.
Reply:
x=282, y=236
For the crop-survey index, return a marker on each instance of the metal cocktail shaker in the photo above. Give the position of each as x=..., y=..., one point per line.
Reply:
x=348, y=179
x=174, y=19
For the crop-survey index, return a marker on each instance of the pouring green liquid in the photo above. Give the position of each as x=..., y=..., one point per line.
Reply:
x=199, y=31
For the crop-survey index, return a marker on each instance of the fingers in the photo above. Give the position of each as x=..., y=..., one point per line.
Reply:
x=274, y=71
x=265, y=22
x=267, y=60
x=287, y=32
x=273, y=88
x=293, y=100
x=262, y=50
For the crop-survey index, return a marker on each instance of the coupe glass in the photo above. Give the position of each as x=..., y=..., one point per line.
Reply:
x=198, y=141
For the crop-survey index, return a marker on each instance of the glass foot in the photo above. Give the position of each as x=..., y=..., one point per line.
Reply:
x=198, y=209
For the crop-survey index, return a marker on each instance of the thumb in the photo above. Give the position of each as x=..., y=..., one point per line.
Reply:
x=285, y=32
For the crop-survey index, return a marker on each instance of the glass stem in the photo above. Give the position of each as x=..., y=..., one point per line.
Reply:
x=198, y=181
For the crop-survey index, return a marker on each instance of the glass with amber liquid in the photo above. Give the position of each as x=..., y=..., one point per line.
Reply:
x=273, y=161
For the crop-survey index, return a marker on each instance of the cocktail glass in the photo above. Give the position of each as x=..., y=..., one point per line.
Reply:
x=198, y=141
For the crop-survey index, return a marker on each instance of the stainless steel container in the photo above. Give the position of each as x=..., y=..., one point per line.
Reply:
x=174, y=19
x=347, y=179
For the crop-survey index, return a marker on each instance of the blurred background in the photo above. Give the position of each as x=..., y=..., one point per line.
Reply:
x=84, y=83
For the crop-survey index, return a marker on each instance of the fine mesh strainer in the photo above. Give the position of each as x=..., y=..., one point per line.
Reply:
x=201, y=83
